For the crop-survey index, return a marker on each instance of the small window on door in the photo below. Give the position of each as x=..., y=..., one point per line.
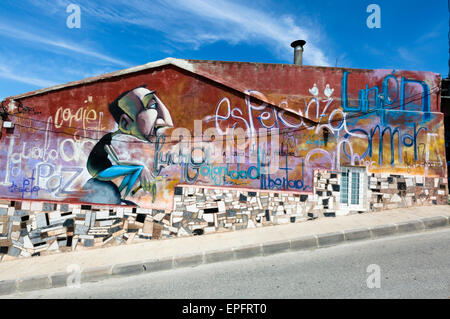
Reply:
x=344, y=188
x=355, y=188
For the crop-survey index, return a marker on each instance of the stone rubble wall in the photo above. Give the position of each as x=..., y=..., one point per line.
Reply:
x=384, y=192
x=396, y=191
x=30, y=228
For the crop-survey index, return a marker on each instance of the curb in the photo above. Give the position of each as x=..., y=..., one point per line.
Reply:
x=383, y=230
x=357, y=234
x=33, y=283
x=59, y=279
x=330, y=239
x=96, y=274
x=128, y=269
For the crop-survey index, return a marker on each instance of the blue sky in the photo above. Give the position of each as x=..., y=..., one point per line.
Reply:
x=39, y=50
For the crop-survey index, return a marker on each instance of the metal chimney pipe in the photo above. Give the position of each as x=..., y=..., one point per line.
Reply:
x=298, y=51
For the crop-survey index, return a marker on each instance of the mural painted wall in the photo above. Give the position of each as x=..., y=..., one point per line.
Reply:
x=117, y=140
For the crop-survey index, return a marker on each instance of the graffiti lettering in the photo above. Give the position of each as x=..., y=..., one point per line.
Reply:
x=27, y=187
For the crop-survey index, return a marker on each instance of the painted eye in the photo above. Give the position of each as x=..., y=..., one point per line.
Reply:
x=151, y=106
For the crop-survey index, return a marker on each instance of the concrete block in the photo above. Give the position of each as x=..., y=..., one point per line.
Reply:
x=188, y=261
x=95, y=274
x=14, y=251
x=159, y=265
x=434, y=222
x=7, y=287
x=103, y=214
x=410, y=226
x=276, y=247
x=218, y=256
x=247, y=252
x=88, y=242
x=81, y=229
x=383, y=230
x=33, y=283
x=127, y=269
x=59, y=279
x=306, y=242
x=357, y=234
x=36, y=206
x=395, y=198
x=330, y=239
x=41, y=220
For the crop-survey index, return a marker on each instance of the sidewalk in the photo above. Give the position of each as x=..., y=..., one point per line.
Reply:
x=96, y=264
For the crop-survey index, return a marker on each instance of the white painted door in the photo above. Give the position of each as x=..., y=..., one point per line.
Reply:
x=352, y=188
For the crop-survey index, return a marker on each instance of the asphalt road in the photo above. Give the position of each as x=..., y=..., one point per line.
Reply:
x=411, y=266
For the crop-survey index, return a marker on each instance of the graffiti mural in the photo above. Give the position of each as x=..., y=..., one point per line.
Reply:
x=138, y=113
x=124, y=143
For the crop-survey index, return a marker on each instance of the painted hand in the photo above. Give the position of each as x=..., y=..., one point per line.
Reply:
x=146, y=179
x=153, y=187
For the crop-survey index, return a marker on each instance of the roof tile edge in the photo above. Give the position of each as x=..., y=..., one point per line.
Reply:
x=183, y=64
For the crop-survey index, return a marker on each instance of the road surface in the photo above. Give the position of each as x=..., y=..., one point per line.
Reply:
x=410, y=266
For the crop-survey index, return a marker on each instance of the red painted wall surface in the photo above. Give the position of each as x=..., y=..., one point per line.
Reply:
x=370, y=118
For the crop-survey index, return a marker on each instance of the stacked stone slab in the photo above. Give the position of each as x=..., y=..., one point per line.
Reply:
x=397, y=191
x=36, y=228
x=326, y=194
x=31, y=228
x=209, y=210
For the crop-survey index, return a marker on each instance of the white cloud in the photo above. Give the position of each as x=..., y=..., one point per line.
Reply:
x=191, y=23
x=15, y=33
x=7, y=73
x=199, y=22
x=408, y=56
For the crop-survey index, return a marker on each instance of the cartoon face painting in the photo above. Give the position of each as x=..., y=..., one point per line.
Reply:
x=138, y=113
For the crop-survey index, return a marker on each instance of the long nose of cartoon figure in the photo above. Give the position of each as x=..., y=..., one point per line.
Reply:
x=160, y=123
x=146, y=122
x=164, y=118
